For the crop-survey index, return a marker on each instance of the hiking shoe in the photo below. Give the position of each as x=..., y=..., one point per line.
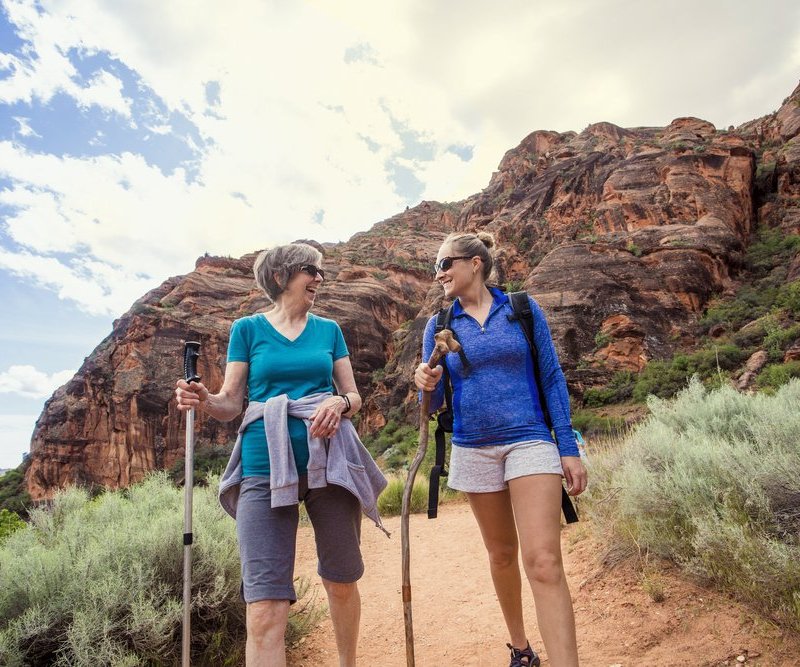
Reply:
x=523, y=658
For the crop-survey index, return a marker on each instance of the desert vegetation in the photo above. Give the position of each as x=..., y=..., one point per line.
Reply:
x=709, y=480
x=91, y=581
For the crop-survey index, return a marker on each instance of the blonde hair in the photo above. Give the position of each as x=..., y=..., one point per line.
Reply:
x=273, y=268
x=475, y=245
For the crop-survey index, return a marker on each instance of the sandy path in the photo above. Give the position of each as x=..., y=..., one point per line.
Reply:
x=457, y=620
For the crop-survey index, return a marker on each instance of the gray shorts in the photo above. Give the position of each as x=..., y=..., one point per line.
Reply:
x=268, y=536
x=487, y=469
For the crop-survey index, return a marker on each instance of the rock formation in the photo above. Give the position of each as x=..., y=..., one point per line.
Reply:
x=623, y=235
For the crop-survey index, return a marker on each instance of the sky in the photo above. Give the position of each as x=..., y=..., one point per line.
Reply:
x=136, y=136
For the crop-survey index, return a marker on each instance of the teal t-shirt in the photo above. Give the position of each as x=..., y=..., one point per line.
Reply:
x=297, y=368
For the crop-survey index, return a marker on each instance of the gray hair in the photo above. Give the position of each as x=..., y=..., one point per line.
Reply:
x=275, y=266
x=474, y=245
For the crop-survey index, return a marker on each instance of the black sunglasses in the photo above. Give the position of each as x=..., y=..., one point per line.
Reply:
x=311, y=270
x=445, y=263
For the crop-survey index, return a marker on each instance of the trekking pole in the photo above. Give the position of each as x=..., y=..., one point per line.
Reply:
x=191, y=351
x=444, y=343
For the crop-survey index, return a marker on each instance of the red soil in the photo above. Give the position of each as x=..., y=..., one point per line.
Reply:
x=457, y=620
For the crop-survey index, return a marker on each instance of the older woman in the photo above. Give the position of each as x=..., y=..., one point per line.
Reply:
x=504, y=456
x=289, y=360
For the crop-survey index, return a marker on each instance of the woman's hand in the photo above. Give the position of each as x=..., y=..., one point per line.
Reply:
x=190, y=395
x=426, y=378
x=327, y=417
x=575, y=474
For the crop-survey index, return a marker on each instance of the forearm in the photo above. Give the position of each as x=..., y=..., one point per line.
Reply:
x=554, y=386
x=222, y=407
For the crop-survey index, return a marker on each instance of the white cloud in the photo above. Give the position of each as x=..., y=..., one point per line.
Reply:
x=15, y=434
x=315, y=102
x=24, y=129
x=29, y=382
x=50, y=71
x=104, y=90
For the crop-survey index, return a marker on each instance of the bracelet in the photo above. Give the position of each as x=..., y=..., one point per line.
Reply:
x=347, y=403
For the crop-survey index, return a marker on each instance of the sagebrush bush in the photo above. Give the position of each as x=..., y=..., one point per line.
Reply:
x=390, y=502
x=99, y=581
x=710, y=481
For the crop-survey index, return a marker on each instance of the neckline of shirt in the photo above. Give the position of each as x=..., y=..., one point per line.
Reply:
x=277, y=334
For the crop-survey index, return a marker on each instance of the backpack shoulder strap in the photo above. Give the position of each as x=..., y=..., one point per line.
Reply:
x=523, y=314
x=443, y=318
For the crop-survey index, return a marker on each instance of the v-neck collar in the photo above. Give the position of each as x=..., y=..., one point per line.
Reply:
x=277, y=334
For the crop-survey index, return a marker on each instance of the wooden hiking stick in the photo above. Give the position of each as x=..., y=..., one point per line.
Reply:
x=444, y=343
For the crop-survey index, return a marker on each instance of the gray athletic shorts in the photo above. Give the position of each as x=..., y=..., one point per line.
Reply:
x=268, y=536
x=487, y=469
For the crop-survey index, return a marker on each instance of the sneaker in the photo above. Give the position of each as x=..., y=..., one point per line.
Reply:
x=526, y=657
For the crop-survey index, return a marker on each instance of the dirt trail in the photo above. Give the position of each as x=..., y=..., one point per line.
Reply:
x=457, y=620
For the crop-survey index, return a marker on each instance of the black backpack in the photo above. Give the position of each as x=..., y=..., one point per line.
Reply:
x=523, y=315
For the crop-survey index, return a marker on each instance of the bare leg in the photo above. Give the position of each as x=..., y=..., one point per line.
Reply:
x=266, y=627
x=537, y=507
x=496, y=520
x=345, y=604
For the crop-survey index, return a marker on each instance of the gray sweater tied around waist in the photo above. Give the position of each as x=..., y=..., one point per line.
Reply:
x=342, y=459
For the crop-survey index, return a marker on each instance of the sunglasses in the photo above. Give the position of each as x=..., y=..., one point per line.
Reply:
x=445, y=263
x=311, y=270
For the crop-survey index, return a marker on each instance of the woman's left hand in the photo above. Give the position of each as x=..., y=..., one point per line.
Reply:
x=327, y=417
x=575, y=474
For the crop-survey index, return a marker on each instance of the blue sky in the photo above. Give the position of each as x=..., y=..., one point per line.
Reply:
x=134, y=137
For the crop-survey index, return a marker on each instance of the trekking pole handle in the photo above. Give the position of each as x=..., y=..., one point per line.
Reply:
x=191, y=352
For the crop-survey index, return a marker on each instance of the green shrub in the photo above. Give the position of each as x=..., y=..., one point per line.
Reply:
x=710, y=481
x=777, y=375
x=591, y=424
x=99, y=582
x=771, y=248
x=601, y=339
x=778, y=338
x=634, y=249
x=208, y=462
x=750, y=303
x=390, y=502
x=514, y=286
x=396, y=441
x=13, y=495
x=788, y=297
x=666, y=378
x=766, y=261
x=9, y=523
x=619, y=389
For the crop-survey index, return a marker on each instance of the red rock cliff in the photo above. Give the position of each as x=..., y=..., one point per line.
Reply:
x=623, y=235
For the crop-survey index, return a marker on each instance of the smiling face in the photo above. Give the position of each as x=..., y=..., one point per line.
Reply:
x=302, y=287
x=462, y=274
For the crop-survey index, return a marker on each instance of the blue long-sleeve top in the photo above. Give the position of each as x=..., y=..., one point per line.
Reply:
x=497, y=402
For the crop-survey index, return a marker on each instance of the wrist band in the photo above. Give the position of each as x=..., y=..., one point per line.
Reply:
x=347, y=404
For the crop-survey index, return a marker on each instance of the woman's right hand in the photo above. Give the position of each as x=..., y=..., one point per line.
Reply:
x=190, y=394
x=426, y=378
